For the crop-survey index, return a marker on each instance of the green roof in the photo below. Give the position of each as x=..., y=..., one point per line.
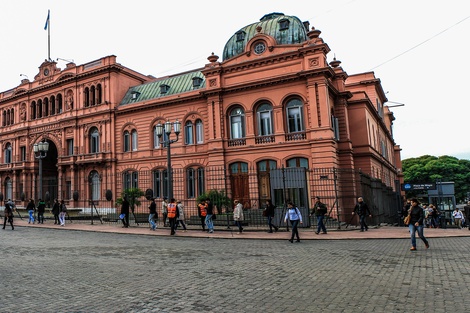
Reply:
x=270, y=23
x=153, y=90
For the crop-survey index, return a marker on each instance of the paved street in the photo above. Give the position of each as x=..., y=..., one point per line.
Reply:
x=64, y=270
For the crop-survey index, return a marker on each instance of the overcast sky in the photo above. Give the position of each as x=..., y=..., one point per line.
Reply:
x=417, y=48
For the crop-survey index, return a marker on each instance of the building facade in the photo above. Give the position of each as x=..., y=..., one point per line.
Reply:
x=271, y=111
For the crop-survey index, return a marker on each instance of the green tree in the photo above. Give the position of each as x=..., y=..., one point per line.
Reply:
x=132, y=195
x=218, y=198
x=429, y=169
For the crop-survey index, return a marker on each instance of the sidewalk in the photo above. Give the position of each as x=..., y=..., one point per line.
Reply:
x=383, y=232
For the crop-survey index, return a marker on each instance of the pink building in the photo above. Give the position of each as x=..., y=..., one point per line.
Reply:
x=270, y=112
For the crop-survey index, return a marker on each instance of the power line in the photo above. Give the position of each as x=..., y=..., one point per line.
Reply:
x=414, y=47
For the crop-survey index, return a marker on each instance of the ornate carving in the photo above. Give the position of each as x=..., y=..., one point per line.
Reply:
x=314, y=62
x=213, y=82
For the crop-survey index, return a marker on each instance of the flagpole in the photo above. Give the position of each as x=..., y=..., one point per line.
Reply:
x=49, y=37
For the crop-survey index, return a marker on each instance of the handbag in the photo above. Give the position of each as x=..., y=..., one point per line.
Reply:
x=407, y=219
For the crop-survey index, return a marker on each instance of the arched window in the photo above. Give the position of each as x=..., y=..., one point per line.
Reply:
x=39, y=111
x=33, y=110
x=264, y=168
x=53, y=107
x=94, y=140
x=99, y=94
x=194, y=182
x=8, y=153
x=59, y=103
x=239, y=181
x=126, y=141
x=130, y=179
x=12, y=116
x=199, y=132
x=237, y=123
x=46, y=107
x=4, y=118
x=264, y=119
x=294, y=113
x=134, y=140
x=160, y=183
x=87, y=96
x=156, y=140
x=188, y=133
x=93, y=95
x=95, y=183
x=297, y=162
x=8, y=188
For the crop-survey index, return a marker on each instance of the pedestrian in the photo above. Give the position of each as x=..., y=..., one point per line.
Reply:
x=201, y=212
x=209, y=213
x=56, y=211
x=41, y=210
x=238, y=215
x=180, y=218
x=269, y=212
x=125, y=212
x=153, y=216
x=294, y=216
x=416, y=224
x=319, y=210
x=457, y=214
x=8, y=212
x=31, y=207
x=363, y=211
x=63, y=212
x=172, y=213
x=165, y=211
x=404, y=211
x=435, y=216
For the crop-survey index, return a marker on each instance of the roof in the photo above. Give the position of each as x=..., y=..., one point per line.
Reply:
x=174, y=85
x=271, y=25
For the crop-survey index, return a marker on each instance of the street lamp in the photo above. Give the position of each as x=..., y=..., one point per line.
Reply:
x=167, y=143
x=40, y=152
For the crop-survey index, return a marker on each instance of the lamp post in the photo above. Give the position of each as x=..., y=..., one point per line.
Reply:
x=40, y=152
x=167, y=143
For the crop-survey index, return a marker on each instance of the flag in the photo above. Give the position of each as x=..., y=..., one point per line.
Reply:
x=47, y=20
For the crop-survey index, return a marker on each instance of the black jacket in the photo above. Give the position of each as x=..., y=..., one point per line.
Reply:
x=361, y=208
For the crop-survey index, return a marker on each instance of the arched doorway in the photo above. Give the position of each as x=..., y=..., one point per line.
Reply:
x=50, y=174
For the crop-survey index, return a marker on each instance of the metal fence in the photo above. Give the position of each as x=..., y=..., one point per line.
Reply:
x=337, y=188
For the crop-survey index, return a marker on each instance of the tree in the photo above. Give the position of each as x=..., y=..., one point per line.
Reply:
x=429, y=169
x=218, y=198
x=132, y=195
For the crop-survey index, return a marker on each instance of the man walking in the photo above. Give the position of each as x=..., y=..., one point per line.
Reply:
x=363, y=211
x=319, y=210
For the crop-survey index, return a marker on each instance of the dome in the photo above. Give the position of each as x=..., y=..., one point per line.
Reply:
x=284, y=29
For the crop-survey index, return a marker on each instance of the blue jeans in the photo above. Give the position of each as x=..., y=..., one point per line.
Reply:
x=152, y=221
x=209, y=223
x=320, y=224
x=362, y=219
x=295, y=230
x=270, y=223
x=31, y=216
x=420, y=230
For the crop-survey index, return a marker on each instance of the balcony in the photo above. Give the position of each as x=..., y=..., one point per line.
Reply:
x=237, y=142
x=265, y=139
x=295, y=136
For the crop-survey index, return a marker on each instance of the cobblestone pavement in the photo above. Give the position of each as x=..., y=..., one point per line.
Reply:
x=52, y=270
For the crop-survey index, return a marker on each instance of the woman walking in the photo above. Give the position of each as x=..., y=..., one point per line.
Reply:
x=416, y=224
x=180, y=219
x=31, y=207
x=294, y=216
x=153, y=215
x=270, y=215
x=63, y=211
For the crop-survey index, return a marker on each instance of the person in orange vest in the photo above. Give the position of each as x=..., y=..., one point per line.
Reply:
x=172, y=215
x=202, y=214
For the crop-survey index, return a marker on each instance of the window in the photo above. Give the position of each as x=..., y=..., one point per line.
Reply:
x=134, y=140
x=130, y=179
x=164, y=89
x=69, y=146
x=237, y=123
x=294, y=116
x=199, y=132
x=8, y=153
x=297, y=162
x=23, y=153
x=240, y=36
x=33, y=110
x=283, y=24
x=94, y=140
x=160, y=183
x=68, y=189
x=259, y=47
x=156, y=140
x=127, y=139
x=95, y=183
x=188, y=133
x=335, y=126
x=194, y=182
x=197, y=81
x=265, y=123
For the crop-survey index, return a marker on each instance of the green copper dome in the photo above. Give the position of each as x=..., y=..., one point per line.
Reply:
x=285, y=29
